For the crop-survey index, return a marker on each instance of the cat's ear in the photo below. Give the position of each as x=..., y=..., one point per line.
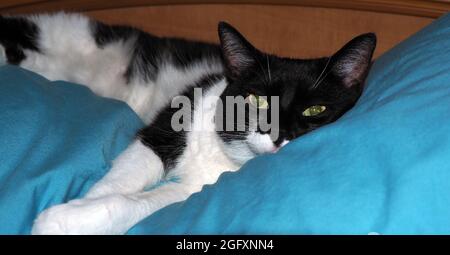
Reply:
x=351, y=63
x=238, y=53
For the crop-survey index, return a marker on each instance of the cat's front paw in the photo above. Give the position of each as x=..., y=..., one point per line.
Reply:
x=84, y=217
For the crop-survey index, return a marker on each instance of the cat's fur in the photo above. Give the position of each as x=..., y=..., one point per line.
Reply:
x=147, y=72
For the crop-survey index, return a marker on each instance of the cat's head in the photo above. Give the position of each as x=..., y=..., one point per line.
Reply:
x=310, y=92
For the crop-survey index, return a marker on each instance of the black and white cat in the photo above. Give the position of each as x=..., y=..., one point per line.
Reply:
x=148, y=72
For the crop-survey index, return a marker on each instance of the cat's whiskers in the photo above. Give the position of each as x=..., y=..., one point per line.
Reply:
x=321, y=76
x=268, y=68
x=266, y=76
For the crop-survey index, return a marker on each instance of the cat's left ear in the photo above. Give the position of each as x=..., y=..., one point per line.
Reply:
x=351, y=63
x=238, y=53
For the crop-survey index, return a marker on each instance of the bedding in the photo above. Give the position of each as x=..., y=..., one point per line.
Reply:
x=384, y=167
x=56, y=140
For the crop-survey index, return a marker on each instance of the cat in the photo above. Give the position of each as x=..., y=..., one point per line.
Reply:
x=149, y=73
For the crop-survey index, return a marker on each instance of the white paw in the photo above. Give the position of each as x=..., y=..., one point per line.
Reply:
x=106, y=215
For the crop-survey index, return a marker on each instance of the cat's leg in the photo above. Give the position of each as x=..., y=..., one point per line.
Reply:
x=132, y=171
x=114, y=214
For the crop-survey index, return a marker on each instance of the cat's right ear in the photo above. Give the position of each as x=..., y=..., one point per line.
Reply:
x=238, y=53
x=352, y=62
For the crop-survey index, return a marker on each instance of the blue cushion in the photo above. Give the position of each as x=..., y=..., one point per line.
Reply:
x=384, y=167
x=57, y=139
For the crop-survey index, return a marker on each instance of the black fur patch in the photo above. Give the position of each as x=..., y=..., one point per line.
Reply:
x=148, y=51
x=17, y=34
x=105, y=34
x=161, y=138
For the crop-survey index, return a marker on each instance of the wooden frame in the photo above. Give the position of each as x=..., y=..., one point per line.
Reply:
x=296, y=28
x=422, y=8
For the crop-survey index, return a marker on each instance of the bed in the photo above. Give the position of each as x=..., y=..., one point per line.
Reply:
x=382, y=168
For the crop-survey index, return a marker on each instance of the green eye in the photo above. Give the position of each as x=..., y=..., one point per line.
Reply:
x=314, y=110
x=258, y=102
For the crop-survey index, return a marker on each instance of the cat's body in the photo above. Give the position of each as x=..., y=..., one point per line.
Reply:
x=148, y=72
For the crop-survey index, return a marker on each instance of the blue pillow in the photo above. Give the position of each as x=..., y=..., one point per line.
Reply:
x=57, y=139
x=384, y=167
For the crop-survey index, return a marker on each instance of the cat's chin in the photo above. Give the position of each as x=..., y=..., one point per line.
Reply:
x=261, y=143
x=255, y=144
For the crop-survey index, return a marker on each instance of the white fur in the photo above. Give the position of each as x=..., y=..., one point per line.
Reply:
x=284, y=143
x=256, y=144
x=72, y=54
x=260, y=143
x=169, y=83
x=135, y=169
x=112, y=214
x=204, y=158
x=105, y=215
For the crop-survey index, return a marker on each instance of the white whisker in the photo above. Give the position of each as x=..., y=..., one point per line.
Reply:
x=268, y=68
x=320, y=78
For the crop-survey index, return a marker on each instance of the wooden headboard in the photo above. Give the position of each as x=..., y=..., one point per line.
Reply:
x=297, y=28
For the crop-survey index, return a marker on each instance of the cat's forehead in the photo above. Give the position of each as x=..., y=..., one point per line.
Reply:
x=289, y=71
x=285, y=75
x=289, y=81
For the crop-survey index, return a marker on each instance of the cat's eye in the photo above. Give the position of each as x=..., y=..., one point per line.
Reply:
x=258, y=101
x=314, y=110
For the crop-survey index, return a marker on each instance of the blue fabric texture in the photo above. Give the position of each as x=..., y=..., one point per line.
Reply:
x=384, y=167
x=56, y=140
